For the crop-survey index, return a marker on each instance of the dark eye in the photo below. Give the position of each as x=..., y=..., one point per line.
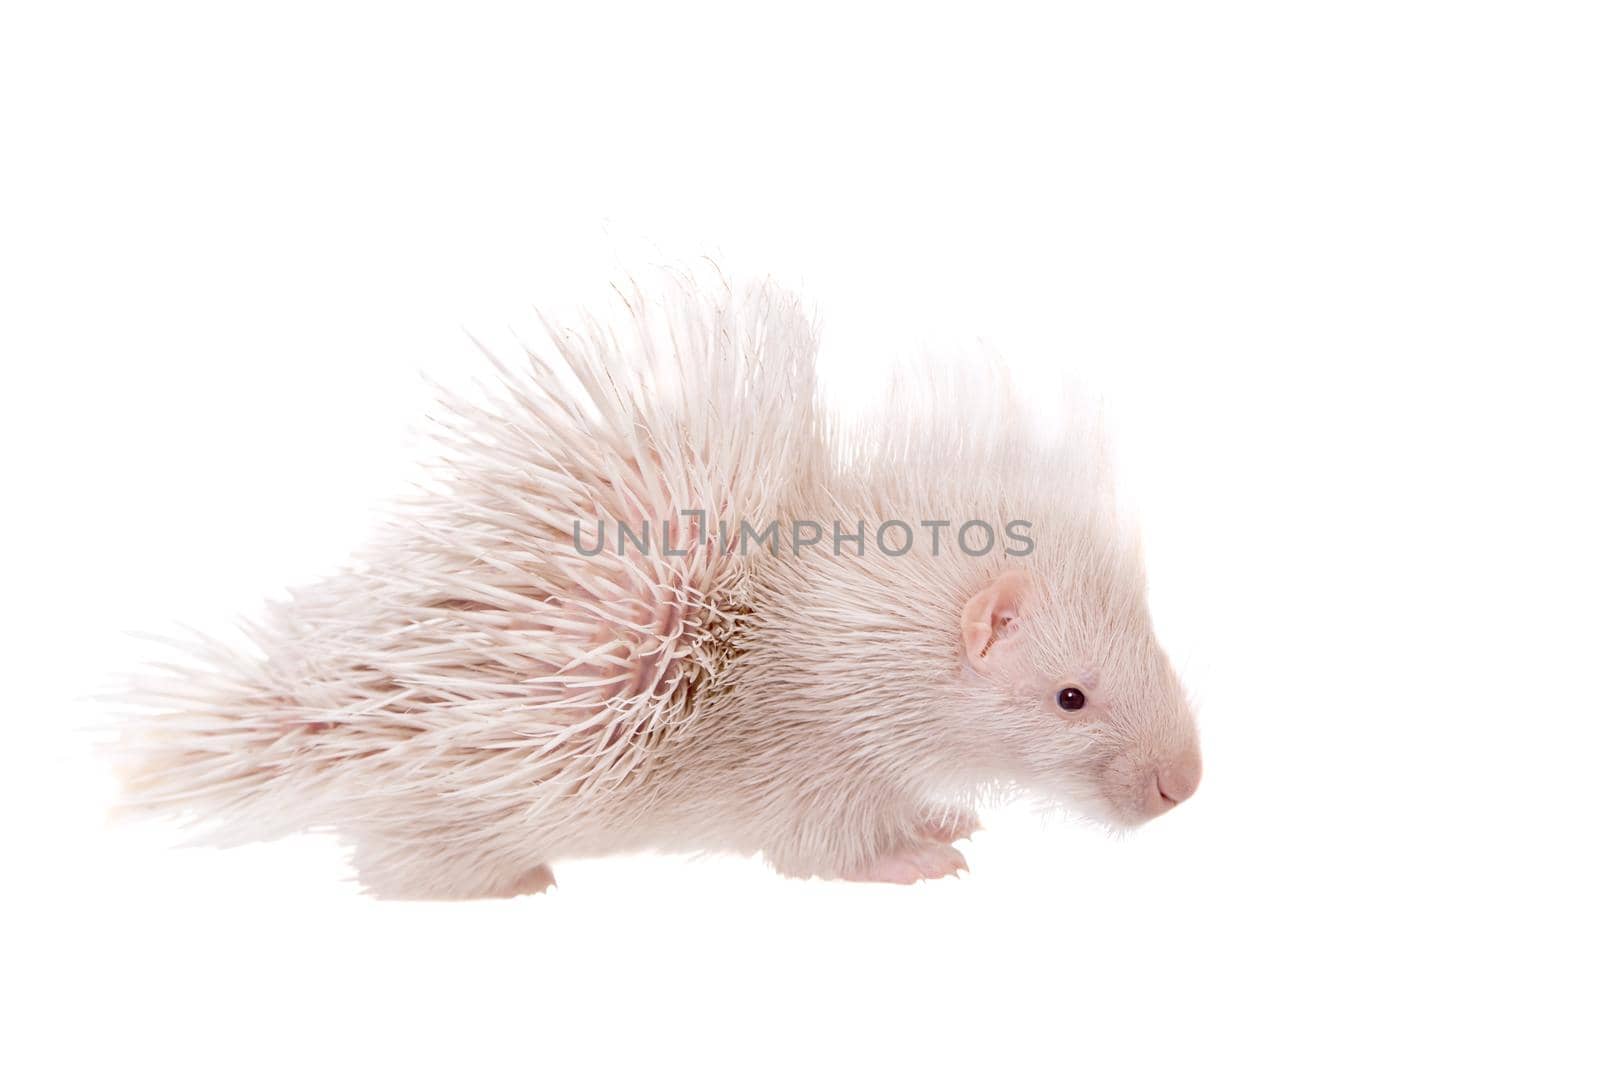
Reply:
x=1071, y=699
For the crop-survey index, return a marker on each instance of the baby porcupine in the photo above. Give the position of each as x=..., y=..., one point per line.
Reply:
x=658, y=600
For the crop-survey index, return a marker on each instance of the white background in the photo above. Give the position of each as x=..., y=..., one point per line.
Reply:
x=1335, y=267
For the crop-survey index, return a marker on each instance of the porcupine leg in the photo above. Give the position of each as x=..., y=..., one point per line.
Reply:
x=901, y=866
x=393, y=870
x=947, y=825
x=910, y=864
x=911, y=849
x=929, y=853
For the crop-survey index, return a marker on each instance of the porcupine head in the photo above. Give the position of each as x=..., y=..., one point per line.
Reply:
x=1029, y=657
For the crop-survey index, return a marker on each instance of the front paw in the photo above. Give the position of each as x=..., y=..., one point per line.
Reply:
x=913, y=864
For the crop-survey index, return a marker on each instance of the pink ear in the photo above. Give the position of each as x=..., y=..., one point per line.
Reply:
x=990, y=615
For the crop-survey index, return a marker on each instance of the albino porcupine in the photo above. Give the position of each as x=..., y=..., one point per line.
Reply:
x=658, y=599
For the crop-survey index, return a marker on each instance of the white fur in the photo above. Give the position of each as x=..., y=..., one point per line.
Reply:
x=474, y=699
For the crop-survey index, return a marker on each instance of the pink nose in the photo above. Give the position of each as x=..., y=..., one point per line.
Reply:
x=1175, y=782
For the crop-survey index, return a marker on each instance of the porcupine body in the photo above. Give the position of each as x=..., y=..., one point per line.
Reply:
x=476, y=695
